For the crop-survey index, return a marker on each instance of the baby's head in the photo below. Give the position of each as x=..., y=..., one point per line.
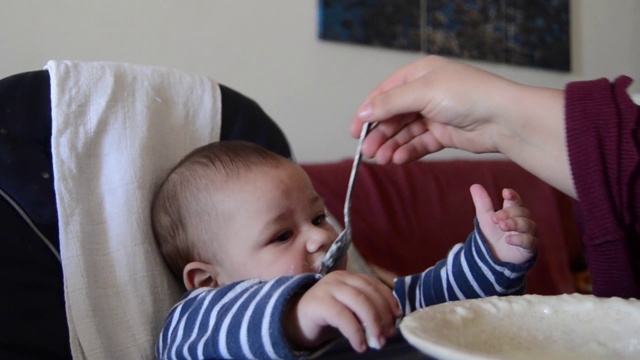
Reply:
x=233, y=210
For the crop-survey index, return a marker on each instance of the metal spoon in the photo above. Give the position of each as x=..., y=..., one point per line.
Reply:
x=339, y=248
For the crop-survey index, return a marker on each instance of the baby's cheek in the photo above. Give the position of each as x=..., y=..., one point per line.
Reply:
x=295, y=268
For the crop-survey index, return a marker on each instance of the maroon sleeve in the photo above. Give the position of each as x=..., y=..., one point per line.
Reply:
x=602, y=139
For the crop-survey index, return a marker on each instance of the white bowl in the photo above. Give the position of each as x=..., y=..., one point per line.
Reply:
x=527, y=327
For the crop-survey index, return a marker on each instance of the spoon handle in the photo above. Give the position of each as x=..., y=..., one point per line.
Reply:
x=340, y=246
x=354, y=173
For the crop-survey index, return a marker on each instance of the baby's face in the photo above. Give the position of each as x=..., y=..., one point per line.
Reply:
x=274, y=224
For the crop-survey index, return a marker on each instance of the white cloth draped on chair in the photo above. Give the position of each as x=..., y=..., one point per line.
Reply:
x=117, y=129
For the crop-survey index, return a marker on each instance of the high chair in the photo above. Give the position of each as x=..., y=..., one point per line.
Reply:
x=82, y=146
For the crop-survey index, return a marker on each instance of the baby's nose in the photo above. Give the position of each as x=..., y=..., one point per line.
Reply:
x=320, y=240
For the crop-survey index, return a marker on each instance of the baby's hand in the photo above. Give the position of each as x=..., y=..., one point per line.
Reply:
x=360, y=307
x=511, y=233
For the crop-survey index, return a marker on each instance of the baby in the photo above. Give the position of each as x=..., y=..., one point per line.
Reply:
x=246, y=232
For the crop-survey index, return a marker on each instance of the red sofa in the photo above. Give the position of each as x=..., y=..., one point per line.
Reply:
x=407, y=217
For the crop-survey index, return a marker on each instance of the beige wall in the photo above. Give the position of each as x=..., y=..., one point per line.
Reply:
x=269, y=51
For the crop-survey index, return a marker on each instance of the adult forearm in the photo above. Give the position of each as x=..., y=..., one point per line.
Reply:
x=531, y=132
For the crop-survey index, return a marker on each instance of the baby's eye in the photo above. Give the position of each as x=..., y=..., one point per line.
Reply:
x=283, y=236
x=320, y=219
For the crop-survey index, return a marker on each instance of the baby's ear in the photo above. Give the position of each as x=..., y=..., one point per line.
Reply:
x=199, y=274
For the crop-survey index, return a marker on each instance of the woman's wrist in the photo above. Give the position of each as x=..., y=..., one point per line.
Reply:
x=531, y=132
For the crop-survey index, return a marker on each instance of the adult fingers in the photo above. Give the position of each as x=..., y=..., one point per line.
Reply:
x=388, y=132
x=404, y=136
x=413, y=97
x=409, y=97
x=417, y=148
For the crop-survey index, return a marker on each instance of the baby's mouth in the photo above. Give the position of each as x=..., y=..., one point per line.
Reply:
x=317, y=266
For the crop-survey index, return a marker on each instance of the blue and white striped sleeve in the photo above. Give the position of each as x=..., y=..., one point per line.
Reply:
x=470, y=271
x=239, y=321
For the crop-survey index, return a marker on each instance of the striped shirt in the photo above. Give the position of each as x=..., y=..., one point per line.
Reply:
x=243, y=320
x=469, y=271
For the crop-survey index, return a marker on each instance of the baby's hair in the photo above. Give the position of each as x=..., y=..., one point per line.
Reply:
x=180, y=197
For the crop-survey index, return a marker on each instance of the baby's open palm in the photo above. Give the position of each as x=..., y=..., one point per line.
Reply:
x=510, y=231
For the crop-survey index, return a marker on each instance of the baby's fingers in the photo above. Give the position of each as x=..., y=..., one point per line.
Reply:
x=349, y=325
x=528, y=242
x=361, y=327
x=370, y=302
x=511, y=198
x=519, y=225
x=481, y=199
x=510, y=213
x=377, y=322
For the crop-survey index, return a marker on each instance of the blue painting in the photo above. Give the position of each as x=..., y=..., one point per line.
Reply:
x=521, y=32
x=386, y=23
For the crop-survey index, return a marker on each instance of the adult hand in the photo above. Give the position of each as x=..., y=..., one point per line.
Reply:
x=431, y=104
x=360, y=307
x=436, y=103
